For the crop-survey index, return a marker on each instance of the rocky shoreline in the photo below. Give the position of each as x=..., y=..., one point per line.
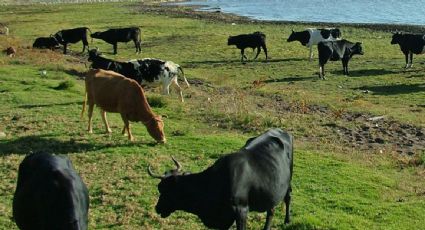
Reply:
x=193, y=12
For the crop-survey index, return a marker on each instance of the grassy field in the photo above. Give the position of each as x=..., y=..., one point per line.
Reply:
x=351, y=172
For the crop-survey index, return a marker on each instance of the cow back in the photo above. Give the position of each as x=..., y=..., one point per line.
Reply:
x=72, y=35
x=50, y=194
x=114, y=92
x=263, y=168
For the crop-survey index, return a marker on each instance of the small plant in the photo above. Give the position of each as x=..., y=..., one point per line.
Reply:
x=157, y=102
x=64, y=85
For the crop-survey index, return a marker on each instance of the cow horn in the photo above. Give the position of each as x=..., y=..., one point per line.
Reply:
x=178, y=165
x=153, y=175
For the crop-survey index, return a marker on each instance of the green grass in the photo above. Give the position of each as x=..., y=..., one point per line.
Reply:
x=335, y=186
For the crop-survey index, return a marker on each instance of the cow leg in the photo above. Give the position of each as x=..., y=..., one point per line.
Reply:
x=270, y=214
x=115, y=47
x=406, y=56
x=411, y=59
x=243, y=55
x=241, y=213
x=85, y=43
x=90, y=114
x=64, y=48
x=166, y=86
x=137, y=45
x=258, y=52
x=127, y=126
x=176, y=85
x=322, y=72
x=103, y=114
x=265, y=50
x=311, y=54
x=345, y=66
x=287, y=204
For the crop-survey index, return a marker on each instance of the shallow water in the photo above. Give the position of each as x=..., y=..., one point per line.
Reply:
x=341, y=11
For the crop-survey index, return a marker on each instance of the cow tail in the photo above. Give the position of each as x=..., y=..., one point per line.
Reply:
x=184, y=78
x=84, y=105
x=90, y=35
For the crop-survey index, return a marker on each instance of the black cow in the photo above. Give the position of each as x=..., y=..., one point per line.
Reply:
x=45, y=43
x=337, y=50
x=409, y=44
x=49, y=194
x=254, y=40
x=256, y=178
x=313, y=36
x=128, y=69
x=113, y=36
x=72, y=36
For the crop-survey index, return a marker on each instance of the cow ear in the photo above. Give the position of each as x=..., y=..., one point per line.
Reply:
x=293, y=31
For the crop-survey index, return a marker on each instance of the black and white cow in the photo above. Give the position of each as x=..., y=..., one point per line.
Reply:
x=50, y=194
x=255, y=178
x=337, y=50
x=147, y=71
x=254, y=40
x=113, y=36
x=128, y=69
x=75, y=35
x=155, y=71
x=409, y=44
x=45, y=43
x=313, y=36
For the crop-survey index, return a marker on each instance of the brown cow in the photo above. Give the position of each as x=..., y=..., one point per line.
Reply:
x=113, y=92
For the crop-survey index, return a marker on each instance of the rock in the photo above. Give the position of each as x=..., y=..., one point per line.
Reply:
x=2, y=135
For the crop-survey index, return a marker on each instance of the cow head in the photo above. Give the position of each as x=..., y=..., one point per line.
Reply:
x=168, y=188
x=357, y=49
x=58, y=37
x=292, y=37
x=155, y=128
x=93, y=54
x=396, y=39
x=231, y=40
x=96, y=35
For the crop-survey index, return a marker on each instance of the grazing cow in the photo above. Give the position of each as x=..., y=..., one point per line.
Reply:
x=256, y=178
x=10, y=51
x=46, y=43
x=146, y=71
x=72, y=36
x=156, y=71
x=313, y=36
x=409, y=44
x=49, y=194
x=128, y=69
x=254, y=40
x=112, y=92
x=337, y=50
x=113, y=36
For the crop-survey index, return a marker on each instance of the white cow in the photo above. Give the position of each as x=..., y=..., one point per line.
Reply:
x=313, y=36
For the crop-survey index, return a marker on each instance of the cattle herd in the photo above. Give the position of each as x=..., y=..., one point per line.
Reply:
x=51, y=195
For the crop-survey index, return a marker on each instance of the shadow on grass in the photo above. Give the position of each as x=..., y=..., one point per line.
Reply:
x=26, y=144
x=50, y=144
x=47, y=105
x=366, y=72
x=297, y=226
x=74, y=72
x=290, y=79
x=394, y=89
x=238, y=61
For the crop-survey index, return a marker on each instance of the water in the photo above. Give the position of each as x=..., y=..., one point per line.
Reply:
x=410, y=12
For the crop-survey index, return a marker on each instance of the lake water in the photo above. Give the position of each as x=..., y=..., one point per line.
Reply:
x=341, y=11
